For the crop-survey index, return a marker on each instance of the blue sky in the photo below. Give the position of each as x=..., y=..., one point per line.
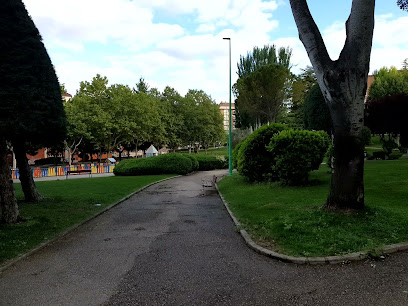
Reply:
x=179, y=42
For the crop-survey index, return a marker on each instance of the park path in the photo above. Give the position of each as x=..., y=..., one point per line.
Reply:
x=173, y=244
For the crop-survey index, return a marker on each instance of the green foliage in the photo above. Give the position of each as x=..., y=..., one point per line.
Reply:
x=316, y=112
x=261, y=57
x=387, y=82
x=260, y=94
x=31, y=109
x=234, y=154
x=208, y=162
x=262, y=85
x=194, y=161
x=394, y=155
x=162, y=164
x=297, y=153
x=300, y=86
x=389, y=145
x=254, y=161
x=366, y=135
x=378, y=155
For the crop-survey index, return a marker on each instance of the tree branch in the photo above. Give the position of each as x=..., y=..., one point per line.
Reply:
x=310, y=36
x=359, y=34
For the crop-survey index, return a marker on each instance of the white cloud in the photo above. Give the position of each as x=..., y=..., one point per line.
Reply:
x=178, y=42
x=77, y=22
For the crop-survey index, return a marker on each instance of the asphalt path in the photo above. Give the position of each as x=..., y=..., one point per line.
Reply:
x=174, y=244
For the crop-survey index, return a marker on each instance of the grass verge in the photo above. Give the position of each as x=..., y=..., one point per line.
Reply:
x=288, y=219
x=69, y=202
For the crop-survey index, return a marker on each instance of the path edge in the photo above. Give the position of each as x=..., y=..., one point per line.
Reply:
x=13, y=261
x=356, y=256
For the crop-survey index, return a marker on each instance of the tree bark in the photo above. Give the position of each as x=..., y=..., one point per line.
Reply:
x=343, y=83
x=31, y=193
x=8, y=202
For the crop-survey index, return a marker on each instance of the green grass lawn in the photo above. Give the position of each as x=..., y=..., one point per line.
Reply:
x=288, y=220
x=69, y=202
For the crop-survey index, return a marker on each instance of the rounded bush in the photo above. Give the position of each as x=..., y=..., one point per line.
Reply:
x=194, y=161
x=297, y=153
x=208, y=162
x=254, y=161
x=394, y=155
x=162, y=164
x=234, y=154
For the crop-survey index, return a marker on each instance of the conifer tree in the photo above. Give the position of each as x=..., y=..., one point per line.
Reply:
x=31, y=110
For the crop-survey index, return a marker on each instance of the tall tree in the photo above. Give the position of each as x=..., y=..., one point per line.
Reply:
x=300, y=86
x=262, y=85
x=31, y=111
x=261, y=93
x=316, y=113
x=388, y=82
x=343, y=83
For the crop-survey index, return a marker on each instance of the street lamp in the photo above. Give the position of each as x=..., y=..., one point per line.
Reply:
x=230, y=112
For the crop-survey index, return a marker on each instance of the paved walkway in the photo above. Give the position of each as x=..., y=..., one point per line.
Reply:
x=172, y=245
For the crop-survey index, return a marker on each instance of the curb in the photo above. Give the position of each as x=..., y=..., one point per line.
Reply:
x=12, y=262
x=389, y=249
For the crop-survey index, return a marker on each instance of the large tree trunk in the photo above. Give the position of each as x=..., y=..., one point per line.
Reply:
x=8, y=202
x=31, y=193
x=343, y=83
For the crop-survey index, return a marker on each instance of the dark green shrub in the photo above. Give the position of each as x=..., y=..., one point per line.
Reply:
x=172, y=163
x=394, y=155
x=366, y=135
x=208, y=162
x=194, y=161
x=378, y=155
x=389, y=145
x=296, y=153
x=234, y=154
x=254, y=161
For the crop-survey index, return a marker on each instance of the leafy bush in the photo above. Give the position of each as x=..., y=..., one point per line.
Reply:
x=194, y=161
x=208, y=162
x=394, y=155
x=366, y=135
x=234, y=154
x=162, y=164
x=389, y=145
x=254, y=161
x=378, y=155
x=296, y=153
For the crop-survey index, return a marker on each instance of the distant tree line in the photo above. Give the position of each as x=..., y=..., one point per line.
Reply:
x=116, y=118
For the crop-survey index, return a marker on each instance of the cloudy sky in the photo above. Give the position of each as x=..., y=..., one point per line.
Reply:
x=179, y=42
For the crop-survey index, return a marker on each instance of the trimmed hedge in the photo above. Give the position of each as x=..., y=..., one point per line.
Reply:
x=297, y=153
x=194, y=161
x=254, y=161
x=172, y=163
x=394, y=155
x=208, y=162
x=234, y=154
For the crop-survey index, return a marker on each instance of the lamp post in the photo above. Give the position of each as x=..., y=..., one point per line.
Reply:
x=230, y=112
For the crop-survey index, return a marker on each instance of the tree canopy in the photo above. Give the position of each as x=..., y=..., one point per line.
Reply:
x=31, y=110
x=316, y=112
x=387, y=82
x=262, y=85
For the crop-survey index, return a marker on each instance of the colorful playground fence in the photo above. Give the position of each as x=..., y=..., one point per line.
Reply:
x=62, y=170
